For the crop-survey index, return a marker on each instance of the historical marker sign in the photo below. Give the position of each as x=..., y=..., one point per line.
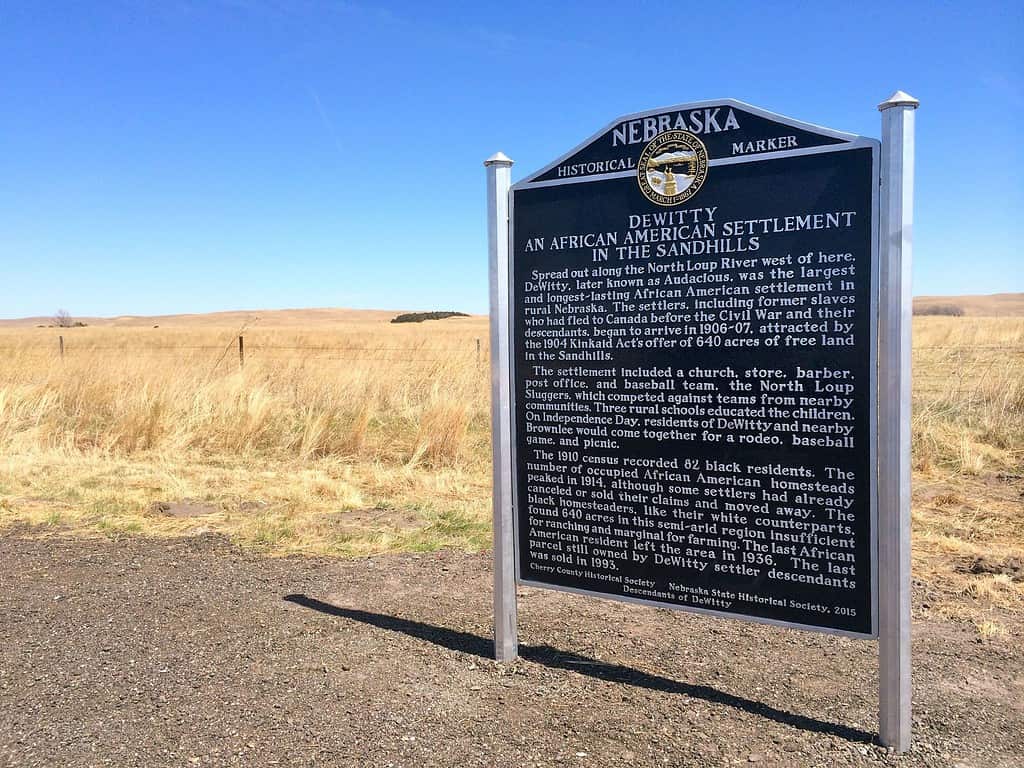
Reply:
x=692, y=299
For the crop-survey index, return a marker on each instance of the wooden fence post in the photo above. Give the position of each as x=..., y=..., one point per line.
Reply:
x=61, y=339
x=478, y=351
x=241, y=352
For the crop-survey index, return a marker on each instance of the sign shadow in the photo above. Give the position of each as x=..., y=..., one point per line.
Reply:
x=554, y=658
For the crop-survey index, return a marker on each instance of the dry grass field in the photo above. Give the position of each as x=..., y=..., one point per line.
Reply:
x=346, y=435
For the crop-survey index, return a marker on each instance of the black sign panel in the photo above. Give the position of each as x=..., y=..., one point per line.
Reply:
x=693, y=368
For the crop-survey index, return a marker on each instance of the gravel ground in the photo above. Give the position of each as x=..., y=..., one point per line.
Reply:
x=180, y=652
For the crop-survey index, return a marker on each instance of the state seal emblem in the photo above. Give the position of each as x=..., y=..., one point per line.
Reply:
x=672, y=167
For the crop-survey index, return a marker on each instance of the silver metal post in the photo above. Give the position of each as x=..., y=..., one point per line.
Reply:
x=894, y=333
x=499, y=179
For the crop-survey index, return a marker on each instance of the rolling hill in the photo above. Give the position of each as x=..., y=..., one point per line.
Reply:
x=991, y=305
x=263, y=318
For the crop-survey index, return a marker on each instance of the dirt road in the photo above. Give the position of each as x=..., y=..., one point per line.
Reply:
x=145, y=652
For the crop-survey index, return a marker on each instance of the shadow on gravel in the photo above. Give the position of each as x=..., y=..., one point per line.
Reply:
x=584, y=665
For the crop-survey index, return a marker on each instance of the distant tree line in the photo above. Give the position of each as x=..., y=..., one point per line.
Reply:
x=951, y=310
x=63, y=319
x=419, y=317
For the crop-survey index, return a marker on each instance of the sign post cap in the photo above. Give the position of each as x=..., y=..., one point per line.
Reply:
x=499, y=158
x=899, y=99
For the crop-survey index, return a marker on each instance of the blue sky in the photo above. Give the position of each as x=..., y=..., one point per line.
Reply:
x=178, y=156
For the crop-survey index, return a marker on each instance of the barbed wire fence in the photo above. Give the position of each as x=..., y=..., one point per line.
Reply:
x=475, y=351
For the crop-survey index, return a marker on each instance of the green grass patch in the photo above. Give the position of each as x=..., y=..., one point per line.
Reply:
x=271, y=532
x=448, y=529
x=109, y=506
x=116, y=527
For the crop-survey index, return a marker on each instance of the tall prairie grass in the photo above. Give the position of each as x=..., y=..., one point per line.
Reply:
x=968, y=460
x=384, y=394
x=361, y=437
x=403, y=394
x=968, y=410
